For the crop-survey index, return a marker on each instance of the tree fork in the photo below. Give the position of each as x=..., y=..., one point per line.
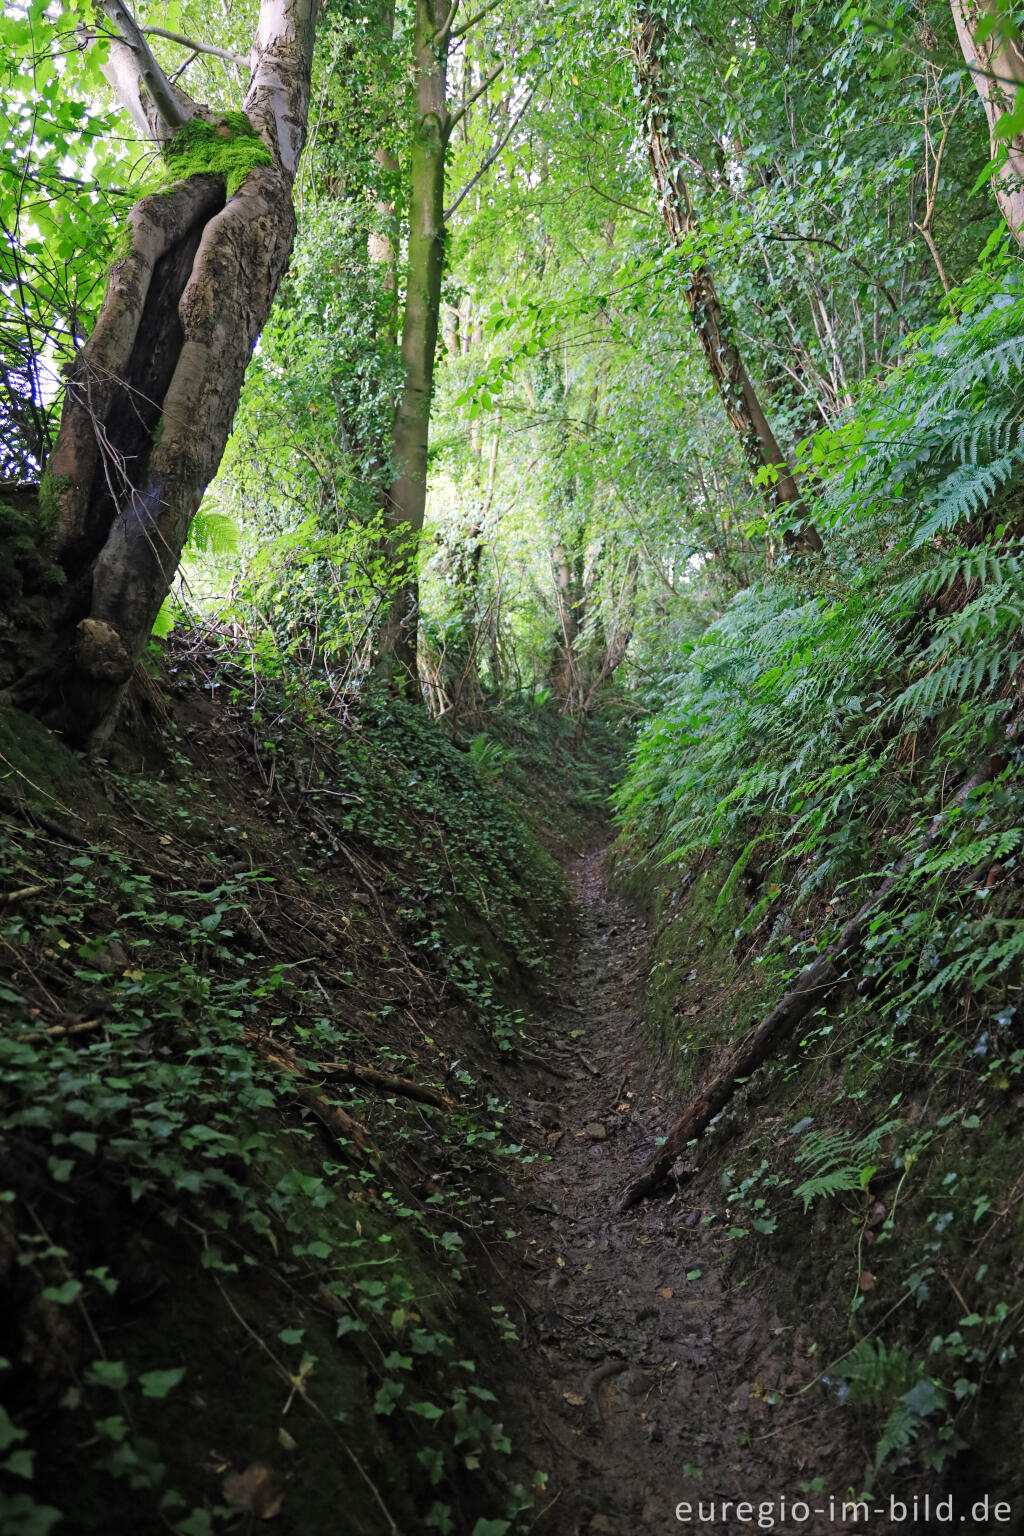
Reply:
x=152, y=395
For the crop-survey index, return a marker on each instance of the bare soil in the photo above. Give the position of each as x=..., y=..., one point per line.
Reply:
x=655, y=1372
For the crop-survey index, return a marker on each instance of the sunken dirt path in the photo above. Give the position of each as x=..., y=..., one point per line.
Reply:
x=649, y=1365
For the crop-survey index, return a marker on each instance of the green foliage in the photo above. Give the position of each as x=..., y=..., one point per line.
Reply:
x=59, y=160
x=936, y=444
x=183, y=1148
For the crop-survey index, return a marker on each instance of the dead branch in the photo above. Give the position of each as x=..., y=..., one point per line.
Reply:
x=336, y=1119
x=61, y=1029
x=350, y=1072
x=813, y=986
x=12, y=898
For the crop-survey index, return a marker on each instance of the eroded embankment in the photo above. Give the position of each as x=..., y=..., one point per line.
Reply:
x=256, y=971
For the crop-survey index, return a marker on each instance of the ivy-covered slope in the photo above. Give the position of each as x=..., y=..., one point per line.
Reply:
x=811, y=739
x=234, y=1261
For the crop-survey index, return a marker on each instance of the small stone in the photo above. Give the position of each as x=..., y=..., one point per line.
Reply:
x=596, y=1131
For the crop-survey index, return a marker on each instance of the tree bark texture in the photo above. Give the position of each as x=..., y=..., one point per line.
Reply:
x=997, y=69
x=152, y=395
x=710, y=323
x=407, y=497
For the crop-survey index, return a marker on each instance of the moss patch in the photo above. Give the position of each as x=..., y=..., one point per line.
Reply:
x=228, y=147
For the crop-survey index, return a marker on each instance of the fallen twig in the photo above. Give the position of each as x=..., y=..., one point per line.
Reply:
x=62, y=1029
x=25, y=894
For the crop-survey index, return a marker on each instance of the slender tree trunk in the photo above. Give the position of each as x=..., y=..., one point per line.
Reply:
x=570, y=606
x=406, y=501
x=725, y=365
x=997, y=69
x=461, y=679
x=153, y=393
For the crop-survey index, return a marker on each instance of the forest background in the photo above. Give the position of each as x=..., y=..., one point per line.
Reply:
x=654, y=363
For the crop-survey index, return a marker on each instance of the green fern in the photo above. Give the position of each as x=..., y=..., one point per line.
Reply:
x=881, y=1377
x=831, y=1155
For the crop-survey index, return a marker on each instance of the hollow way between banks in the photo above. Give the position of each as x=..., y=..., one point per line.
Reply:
x=655, y=1374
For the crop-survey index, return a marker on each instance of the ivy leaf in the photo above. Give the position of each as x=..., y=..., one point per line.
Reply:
x=108, y=1373
x=923, y=1398
x=9, y=1433
x=159, y=1383
x=63, y=1295
x=19, y=1464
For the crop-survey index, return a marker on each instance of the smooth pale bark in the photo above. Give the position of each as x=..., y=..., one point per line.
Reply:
x=153, y=393
x=407, y=496
x=725, y=365
x=997, y=69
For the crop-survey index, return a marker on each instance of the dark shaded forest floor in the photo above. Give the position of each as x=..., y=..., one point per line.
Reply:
x=208, y=931
x=655, y=1374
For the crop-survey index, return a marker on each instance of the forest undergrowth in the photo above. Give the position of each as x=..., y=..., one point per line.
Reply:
x=818, y=736
x=262, y=966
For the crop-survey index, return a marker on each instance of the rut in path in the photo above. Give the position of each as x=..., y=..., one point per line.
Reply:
x=656, y=1374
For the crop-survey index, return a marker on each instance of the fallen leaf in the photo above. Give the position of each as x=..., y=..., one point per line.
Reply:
x=285, y=1440
x=867, y=1281
x=574, y=1399
x=256, y=1490
x=666, y=1291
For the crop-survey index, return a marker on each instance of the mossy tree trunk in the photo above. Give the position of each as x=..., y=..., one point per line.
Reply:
x=710, y=322
x=994, y=54
x=407, y=496
x=153, y=393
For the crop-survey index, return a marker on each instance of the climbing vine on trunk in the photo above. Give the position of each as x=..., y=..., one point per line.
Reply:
x=151, y=397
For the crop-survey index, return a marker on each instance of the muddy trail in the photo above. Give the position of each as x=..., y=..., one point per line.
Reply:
x=655, y=1374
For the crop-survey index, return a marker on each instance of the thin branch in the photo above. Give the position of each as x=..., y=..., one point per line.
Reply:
x=645, y=213
x=495, y=152
x=457, y=117
x=440, y=36
x=241, y=59
x=461, y=31
x=777, y=234
x=171, y=106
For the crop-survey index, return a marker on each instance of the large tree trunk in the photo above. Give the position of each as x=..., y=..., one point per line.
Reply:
x=997, y=69
x=710, y=324
x=153, y=393
x=407, y=498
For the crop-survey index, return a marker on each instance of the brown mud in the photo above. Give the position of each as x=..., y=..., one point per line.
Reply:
x=655, y=1372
